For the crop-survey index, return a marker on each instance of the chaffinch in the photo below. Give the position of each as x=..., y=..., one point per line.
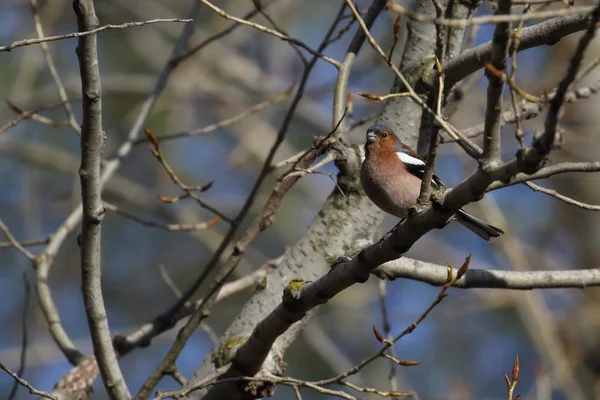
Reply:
x=391, y=176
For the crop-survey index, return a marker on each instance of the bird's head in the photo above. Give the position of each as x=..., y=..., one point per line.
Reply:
x=381, y=138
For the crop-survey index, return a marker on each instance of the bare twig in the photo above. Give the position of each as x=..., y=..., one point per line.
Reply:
x=168, y=227
x=197, y=47
x=92, y=146
x=14, y=243
x=516, y=40
x=225, y=122
x=26, y=384
x=25, y=243
x=557, y=102
x=164, y=274
x=451, y=278
x=28, y=42
x=23, y=115
x=24, y=338
x=330, y=157
x=267, y=16
x=379, y=98
x=262, y=379
x=528, y=110
x=271, y=32
x=562, y=197
x=36, y=117
x=385, y=319
x=189, y=191
x=52, y=67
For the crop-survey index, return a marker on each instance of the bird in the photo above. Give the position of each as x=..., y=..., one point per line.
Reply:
x=391, y=176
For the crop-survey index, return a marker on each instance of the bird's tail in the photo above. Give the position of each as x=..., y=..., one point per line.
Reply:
x=483, y=229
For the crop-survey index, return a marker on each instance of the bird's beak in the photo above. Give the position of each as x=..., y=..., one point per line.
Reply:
x=371, y=137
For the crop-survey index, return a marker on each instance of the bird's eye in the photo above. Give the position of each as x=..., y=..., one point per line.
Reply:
x=383, y=134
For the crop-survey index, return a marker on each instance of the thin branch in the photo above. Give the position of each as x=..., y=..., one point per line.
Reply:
x=340, y=93
x=92, y=146
x=24, y=338
x=36, y=117
x=516, y=39
x=164, y=274
x=493, y=126
x=23, y=115
x=385, y=319
x=167, y=227
x=547, y=172
x=288, y=381
x=28, y=42
x=14, y=243
x=379, y=98
x=330, y=157
x=25, y=243
x=436, y=275
x=52, y=67
x=195, y=48
x=189, y=191
x=528, y=110
x=557, y=102
x=562, y=197
x=225, y=122
x=26, y=384
x=274, y=24
x=269, y=31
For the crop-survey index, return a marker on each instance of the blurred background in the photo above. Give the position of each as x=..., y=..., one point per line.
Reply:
x=463, y=347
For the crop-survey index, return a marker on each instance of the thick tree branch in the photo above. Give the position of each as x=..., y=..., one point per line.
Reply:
x=44, y=261
x=92, y=145
x=547, y=172
x=545, y=33
x=437, y=275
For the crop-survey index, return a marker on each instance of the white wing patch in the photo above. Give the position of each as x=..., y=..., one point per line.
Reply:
x=408, y=159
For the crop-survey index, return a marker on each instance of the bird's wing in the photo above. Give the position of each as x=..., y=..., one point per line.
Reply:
x=416, y=166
